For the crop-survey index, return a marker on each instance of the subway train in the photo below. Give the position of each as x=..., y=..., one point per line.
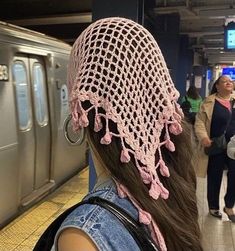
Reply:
x=38, y=150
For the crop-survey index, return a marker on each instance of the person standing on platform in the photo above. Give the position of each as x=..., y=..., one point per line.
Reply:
x=190, y=104
x=214, y=121
x=122, y=93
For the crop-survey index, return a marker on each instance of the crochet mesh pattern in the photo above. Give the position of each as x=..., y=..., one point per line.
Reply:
x=116, y=64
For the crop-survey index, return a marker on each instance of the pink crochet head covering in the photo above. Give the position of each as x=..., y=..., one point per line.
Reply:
x=117, y=65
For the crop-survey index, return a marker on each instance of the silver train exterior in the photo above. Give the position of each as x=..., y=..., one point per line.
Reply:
x=35, y=156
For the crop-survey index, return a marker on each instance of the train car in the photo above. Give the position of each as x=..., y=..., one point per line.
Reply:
x=35, y=157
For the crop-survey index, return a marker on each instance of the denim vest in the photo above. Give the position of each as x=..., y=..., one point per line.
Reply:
x=106, y=231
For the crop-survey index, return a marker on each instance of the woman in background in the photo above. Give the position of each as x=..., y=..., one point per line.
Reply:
x=122, y=93
x=190, y=103
x=217, y=115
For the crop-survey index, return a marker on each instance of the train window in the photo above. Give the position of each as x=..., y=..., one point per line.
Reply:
x=22, y=95
x=40, y=97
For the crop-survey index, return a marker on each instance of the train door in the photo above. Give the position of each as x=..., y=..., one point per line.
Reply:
x=33, y=124
x=41, y=122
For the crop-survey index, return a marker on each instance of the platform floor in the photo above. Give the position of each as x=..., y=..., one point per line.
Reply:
x=22, y=233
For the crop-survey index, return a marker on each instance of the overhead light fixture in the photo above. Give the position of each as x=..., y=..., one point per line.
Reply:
x=229, y=37
x=229, y=20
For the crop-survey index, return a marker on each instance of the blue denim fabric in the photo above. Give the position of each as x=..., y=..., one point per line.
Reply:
x=106, y=231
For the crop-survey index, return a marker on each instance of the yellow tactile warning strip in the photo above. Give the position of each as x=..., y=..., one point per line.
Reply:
x=23, y=233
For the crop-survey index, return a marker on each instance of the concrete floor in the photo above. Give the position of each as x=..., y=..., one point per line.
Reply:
x=217, y=235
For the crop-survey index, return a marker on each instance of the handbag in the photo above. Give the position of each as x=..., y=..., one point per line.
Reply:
x=231, y=148
x=142, y=238
x=218, y=146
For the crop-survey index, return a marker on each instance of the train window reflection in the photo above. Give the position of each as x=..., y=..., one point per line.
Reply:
x=22, y=95
x=40, y=98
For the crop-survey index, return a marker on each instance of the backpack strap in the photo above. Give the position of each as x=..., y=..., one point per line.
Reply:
x=142, y=238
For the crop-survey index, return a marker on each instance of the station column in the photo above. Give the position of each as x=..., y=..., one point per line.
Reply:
x=132, y=9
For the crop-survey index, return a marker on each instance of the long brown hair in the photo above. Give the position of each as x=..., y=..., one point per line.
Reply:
x=177, y=216
x=193, y=92
x=214, y=89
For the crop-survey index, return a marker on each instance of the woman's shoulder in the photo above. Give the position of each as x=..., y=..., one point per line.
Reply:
x=233, y=96
x=86, y=212
x=98, y=222
x=209, y=99
x=207, y=103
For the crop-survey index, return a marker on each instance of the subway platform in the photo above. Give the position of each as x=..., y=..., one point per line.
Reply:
x=22, y=233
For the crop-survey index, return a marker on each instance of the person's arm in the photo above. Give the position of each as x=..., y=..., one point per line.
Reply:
x=200, y=128
x=200, y=103
x=73, y=239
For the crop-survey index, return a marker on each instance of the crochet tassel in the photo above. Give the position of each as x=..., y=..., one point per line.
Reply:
x=164, y=192
x=125, y=157
x=75, y=115
x=155, y=190
x=106, y=139
x=170, y=145
x=83, y=121
x=164, y=169
x=145, y=176
x=76, y=125
x=144, y=217
x=98, y=124
x=175, y=128
x=177, y=116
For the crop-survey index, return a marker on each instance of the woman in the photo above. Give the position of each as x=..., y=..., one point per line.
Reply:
x=217, y=115
x=121, y=91
x=190, y=104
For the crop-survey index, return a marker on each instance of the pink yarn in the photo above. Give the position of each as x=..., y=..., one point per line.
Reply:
x=164, y=192
x=145, y=176
x=98, y=124
x=84, y=122
x=121, y=190
x=125, y=157
x=175, y=128
x=170, y=145
x=144, y=217
x=106, y=139
x=164, y=169
x=157, y=236
x=155, y=190
x=116, y=65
